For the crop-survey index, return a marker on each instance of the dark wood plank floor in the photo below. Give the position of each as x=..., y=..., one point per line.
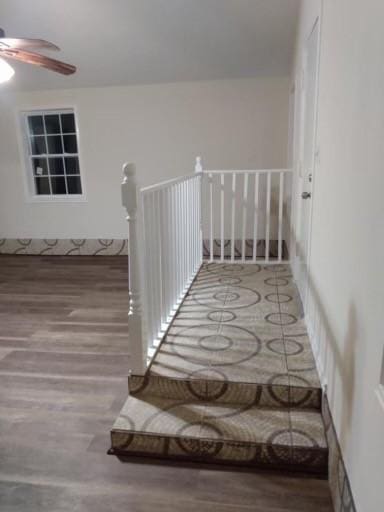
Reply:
x=63, y=367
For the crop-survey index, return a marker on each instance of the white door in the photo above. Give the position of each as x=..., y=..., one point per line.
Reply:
x=307, y=158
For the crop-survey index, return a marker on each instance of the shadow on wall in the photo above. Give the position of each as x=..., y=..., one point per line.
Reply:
x=336, y=359
x=349, y=370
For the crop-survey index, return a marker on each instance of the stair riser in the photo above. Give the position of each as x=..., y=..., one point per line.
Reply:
x=279, y=457
x=268, y=395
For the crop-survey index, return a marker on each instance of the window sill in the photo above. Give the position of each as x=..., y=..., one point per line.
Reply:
x=52, y=199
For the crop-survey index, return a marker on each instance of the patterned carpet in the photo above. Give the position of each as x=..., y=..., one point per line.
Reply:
x=234, y=380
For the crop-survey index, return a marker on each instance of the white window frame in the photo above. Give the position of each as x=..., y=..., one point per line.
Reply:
x=32, y=196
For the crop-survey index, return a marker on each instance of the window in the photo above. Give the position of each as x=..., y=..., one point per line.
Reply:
x=52, y=151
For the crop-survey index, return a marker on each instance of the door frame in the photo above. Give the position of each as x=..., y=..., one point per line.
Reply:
x=298, y=140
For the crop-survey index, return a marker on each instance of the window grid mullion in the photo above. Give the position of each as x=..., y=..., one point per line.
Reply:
x=54, y=155
x=57, y=134
x=62, y=157
x=46, y=155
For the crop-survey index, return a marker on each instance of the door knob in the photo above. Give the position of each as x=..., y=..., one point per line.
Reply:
x=306, y=195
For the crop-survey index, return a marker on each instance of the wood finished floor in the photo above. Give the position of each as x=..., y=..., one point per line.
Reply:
x=63, y=382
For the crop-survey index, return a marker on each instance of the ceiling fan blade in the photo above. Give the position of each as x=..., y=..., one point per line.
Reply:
x=38, y=60
x=22, y=43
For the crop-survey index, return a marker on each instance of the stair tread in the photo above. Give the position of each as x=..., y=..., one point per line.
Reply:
x=222, y=422
x=224, y=391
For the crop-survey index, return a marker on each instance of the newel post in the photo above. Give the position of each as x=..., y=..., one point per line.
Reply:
x=137, y=349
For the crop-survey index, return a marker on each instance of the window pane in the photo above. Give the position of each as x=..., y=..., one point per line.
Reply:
x=35, y=124
x=56, y=166
x=39, y=166
x=53, y=150
x=72, y=165
x=54, y=144
x=70, y=144
x=58, y=186
x=68, y=123
x=42, y=186
x=74, y=185
x=52, y=123
x=38, y=146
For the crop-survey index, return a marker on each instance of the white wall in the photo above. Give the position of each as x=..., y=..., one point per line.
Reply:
x=345, y=309
x=237, y=123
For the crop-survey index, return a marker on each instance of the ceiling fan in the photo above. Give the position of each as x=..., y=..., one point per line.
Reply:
x=19, y=49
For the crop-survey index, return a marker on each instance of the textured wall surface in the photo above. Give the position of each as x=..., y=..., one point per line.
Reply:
x=162, y=128
x=344, y=309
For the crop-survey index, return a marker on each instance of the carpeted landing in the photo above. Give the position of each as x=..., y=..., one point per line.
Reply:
x=234, y=381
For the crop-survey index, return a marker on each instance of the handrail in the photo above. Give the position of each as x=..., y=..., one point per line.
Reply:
x=245, y=171
x=167, y=183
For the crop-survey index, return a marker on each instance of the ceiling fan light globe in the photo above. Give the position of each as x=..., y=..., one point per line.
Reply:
x=6, y=71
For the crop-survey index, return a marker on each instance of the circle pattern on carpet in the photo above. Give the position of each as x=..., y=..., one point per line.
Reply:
x=189, y=342
x=220, y=297
x=285, y=347
x=221, y=316
x=276, y=268
x=276, y=281
x=281, y=319
x=217, y=387
x=233, y=270
x=230, y=281
x=278, y=298
x=208, y=444
x=215, y=342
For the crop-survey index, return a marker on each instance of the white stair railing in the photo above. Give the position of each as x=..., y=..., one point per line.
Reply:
x=246, y=215
x=165, y=254
x=242, y=217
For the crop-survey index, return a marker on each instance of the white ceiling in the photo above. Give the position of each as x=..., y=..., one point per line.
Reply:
x=117, y=42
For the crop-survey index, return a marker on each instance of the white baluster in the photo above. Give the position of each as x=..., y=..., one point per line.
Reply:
x=178, y=241
x=169, y=262
x=181, y=239
x=148, y=269
x=164, y=261
x=199, y=227
x=199, y=219
x=268, y=217
x=173, y=262
x=185, y=220
x=137, y=347
x=256, y=217
x=280, y=232
x=222, y=217
x=155, y=251
x=182, y=235
x=210, y=216
x=189, y=230
x=193, y=225
x=233, y=217
x=244, y=223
